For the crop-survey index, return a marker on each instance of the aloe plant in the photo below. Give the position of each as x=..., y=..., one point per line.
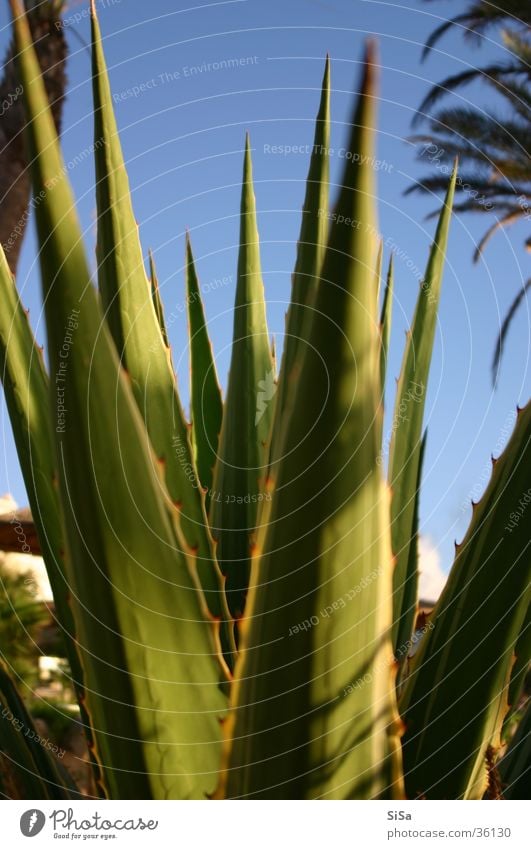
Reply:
x=251, y=647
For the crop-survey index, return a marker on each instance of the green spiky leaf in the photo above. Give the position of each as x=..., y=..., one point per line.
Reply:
x=157, y=301
x=521, y=667
x=314, y=232
x=247, y=413
x=385, y=322
x=34, y=767
x=515, y=766
x=139, y=337
x=26, y=388
x=455, y=697
x=205, y=394
x=306, y=723
x=310, y=253
x=404, y=456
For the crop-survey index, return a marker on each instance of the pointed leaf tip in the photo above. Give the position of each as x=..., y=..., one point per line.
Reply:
x=16, y=8
x=370, y=60
x=247, y=161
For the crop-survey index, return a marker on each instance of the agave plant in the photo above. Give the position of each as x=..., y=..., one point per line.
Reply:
x=260, y=649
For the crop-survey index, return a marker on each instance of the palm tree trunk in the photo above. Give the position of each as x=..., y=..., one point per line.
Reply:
x=50, y=44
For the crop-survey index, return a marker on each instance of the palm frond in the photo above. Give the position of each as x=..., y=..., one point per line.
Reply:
x=481, y=16
x=493, y=134
x=452, y=83
x=462, y=20
x=518, y=45
x=511, y=312
x=508, y=219
x=517, y=94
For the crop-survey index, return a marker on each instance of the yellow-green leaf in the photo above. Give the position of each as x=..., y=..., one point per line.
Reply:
x=239, y=477
x=314, y=712
x=205, y=394
x=148, y=653
x=455, y=697
x=404, y=456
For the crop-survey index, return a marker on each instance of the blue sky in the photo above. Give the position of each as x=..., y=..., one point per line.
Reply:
x=183, y=137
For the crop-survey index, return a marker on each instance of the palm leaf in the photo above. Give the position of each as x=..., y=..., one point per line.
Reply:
x=510, y=314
